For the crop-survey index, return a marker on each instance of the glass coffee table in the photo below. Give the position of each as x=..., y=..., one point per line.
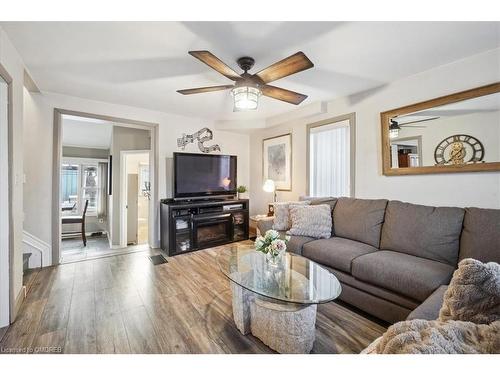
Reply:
x=277, y=303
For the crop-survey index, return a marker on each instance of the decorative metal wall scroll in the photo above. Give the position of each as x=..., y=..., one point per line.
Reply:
x=202, y=135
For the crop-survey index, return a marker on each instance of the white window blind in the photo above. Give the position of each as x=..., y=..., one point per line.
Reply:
x=329, y=159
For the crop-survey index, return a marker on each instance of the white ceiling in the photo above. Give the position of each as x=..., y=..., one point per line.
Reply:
x=86, y=132
x=143, y=63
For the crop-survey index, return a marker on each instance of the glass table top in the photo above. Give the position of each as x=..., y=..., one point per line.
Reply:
x=295, y=279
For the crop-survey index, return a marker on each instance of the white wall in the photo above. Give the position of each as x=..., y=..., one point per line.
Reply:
x=40, y=110
x=12, y=63
x=460, y=189
x=38, y=140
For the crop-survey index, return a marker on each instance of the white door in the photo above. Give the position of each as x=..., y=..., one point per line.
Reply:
x=4, y=206
x=132, y=218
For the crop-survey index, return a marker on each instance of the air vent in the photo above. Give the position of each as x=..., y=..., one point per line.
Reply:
x=157, y=259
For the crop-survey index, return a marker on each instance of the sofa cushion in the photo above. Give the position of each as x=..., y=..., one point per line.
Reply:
x=319, y=200
x=336, y=252
x=384, y=294
x=312, y=221
x=282, y=219
x=265, y=224
x=408, y=275
x=429, y=309
x=331, y=201
x=359, y=219
x=481, y=235
x=423, y=231
x=296, y=244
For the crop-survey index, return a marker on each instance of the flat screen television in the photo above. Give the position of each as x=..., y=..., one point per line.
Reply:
x=202, y=175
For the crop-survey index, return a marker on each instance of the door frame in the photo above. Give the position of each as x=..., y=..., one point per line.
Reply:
x=7, y=297
x=56, y=173
x=124, y=191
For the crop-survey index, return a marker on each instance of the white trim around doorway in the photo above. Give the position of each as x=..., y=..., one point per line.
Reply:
x=57, y=156
x=7, y=298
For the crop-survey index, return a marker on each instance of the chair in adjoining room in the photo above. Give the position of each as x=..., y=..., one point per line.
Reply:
x=77, y=220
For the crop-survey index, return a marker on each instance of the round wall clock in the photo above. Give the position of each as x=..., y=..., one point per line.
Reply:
x=459, y=149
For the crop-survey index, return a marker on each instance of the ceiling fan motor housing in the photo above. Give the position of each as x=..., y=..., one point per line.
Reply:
x=246, y=63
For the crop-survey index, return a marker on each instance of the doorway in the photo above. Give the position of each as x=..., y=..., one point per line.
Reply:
x=136, y=197
x=99, y=189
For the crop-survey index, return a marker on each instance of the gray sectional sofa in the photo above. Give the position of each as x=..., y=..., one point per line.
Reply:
x=395, y=259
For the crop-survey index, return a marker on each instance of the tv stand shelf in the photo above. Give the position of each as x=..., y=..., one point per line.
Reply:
x=187, y=226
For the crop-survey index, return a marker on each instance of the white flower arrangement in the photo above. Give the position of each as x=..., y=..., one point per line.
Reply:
x=271, y=244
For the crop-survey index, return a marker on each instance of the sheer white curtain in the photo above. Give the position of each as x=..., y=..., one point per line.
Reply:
x=102, y=196
x=329, y=159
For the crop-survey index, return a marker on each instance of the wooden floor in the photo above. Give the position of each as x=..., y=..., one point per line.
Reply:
x=72, y=249
x=125, y=304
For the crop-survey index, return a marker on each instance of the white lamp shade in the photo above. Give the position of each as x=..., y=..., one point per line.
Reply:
x=269, y=186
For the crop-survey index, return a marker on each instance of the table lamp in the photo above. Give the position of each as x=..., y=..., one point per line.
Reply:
x=270, y=187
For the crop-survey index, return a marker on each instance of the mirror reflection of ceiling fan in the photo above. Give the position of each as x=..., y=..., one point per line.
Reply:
x=249, y=87
x=396, y=124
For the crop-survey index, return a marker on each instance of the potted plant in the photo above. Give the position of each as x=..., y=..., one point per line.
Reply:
x=272, y=246
x=241, y=189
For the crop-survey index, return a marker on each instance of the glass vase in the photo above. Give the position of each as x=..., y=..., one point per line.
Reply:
x=273, y=259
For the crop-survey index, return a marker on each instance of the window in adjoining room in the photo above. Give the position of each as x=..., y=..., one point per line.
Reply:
x=80, y=182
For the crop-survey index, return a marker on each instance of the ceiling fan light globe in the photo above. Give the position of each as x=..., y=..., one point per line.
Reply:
x=393, y=133
x=245, y=98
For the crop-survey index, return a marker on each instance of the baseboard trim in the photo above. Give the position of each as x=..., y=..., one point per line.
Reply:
x=17, y=305
x=41, y=246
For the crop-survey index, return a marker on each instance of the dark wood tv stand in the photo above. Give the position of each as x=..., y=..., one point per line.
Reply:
x=194, y=225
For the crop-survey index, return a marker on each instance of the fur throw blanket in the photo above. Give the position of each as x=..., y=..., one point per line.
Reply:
x=468, y=320
x=473, y=294
x=435, y=337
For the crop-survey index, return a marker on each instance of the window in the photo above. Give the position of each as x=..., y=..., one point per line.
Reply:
x=80, y=182
x=331, y=163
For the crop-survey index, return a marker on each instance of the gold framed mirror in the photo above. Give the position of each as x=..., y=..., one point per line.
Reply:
x=453, y=133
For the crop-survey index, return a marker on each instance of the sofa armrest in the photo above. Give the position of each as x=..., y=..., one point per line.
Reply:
x=265, y=224
x=429, y=309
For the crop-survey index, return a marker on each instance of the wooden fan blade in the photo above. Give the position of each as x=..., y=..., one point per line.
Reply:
x=412, y=126
x=200, y=90
x=215, y=63
x=282, y=94
x=291, y=65
x=416, y=121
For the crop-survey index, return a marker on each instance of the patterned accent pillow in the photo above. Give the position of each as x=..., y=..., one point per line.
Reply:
x=311, y=221
x=282, y=214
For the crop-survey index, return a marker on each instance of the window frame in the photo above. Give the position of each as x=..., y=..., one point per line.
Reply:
x=351, y=118
x=82, y=163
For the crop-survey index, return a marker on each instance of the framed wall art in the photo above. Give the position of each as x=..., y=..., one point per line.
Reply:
x=277, y=161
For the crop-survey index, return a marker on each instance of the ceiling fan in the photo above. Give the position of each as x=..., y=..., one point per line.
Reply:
x=395, y=126
x=249, y=87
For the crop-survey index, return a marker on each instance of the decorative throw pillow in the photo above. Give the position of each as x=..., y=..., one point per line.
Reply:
x=282, y=214
x=311, y=221
x=473, y=294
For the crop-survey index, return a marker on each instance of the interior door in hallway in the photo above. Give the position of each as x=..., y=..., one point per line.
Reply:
x=132, y=210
